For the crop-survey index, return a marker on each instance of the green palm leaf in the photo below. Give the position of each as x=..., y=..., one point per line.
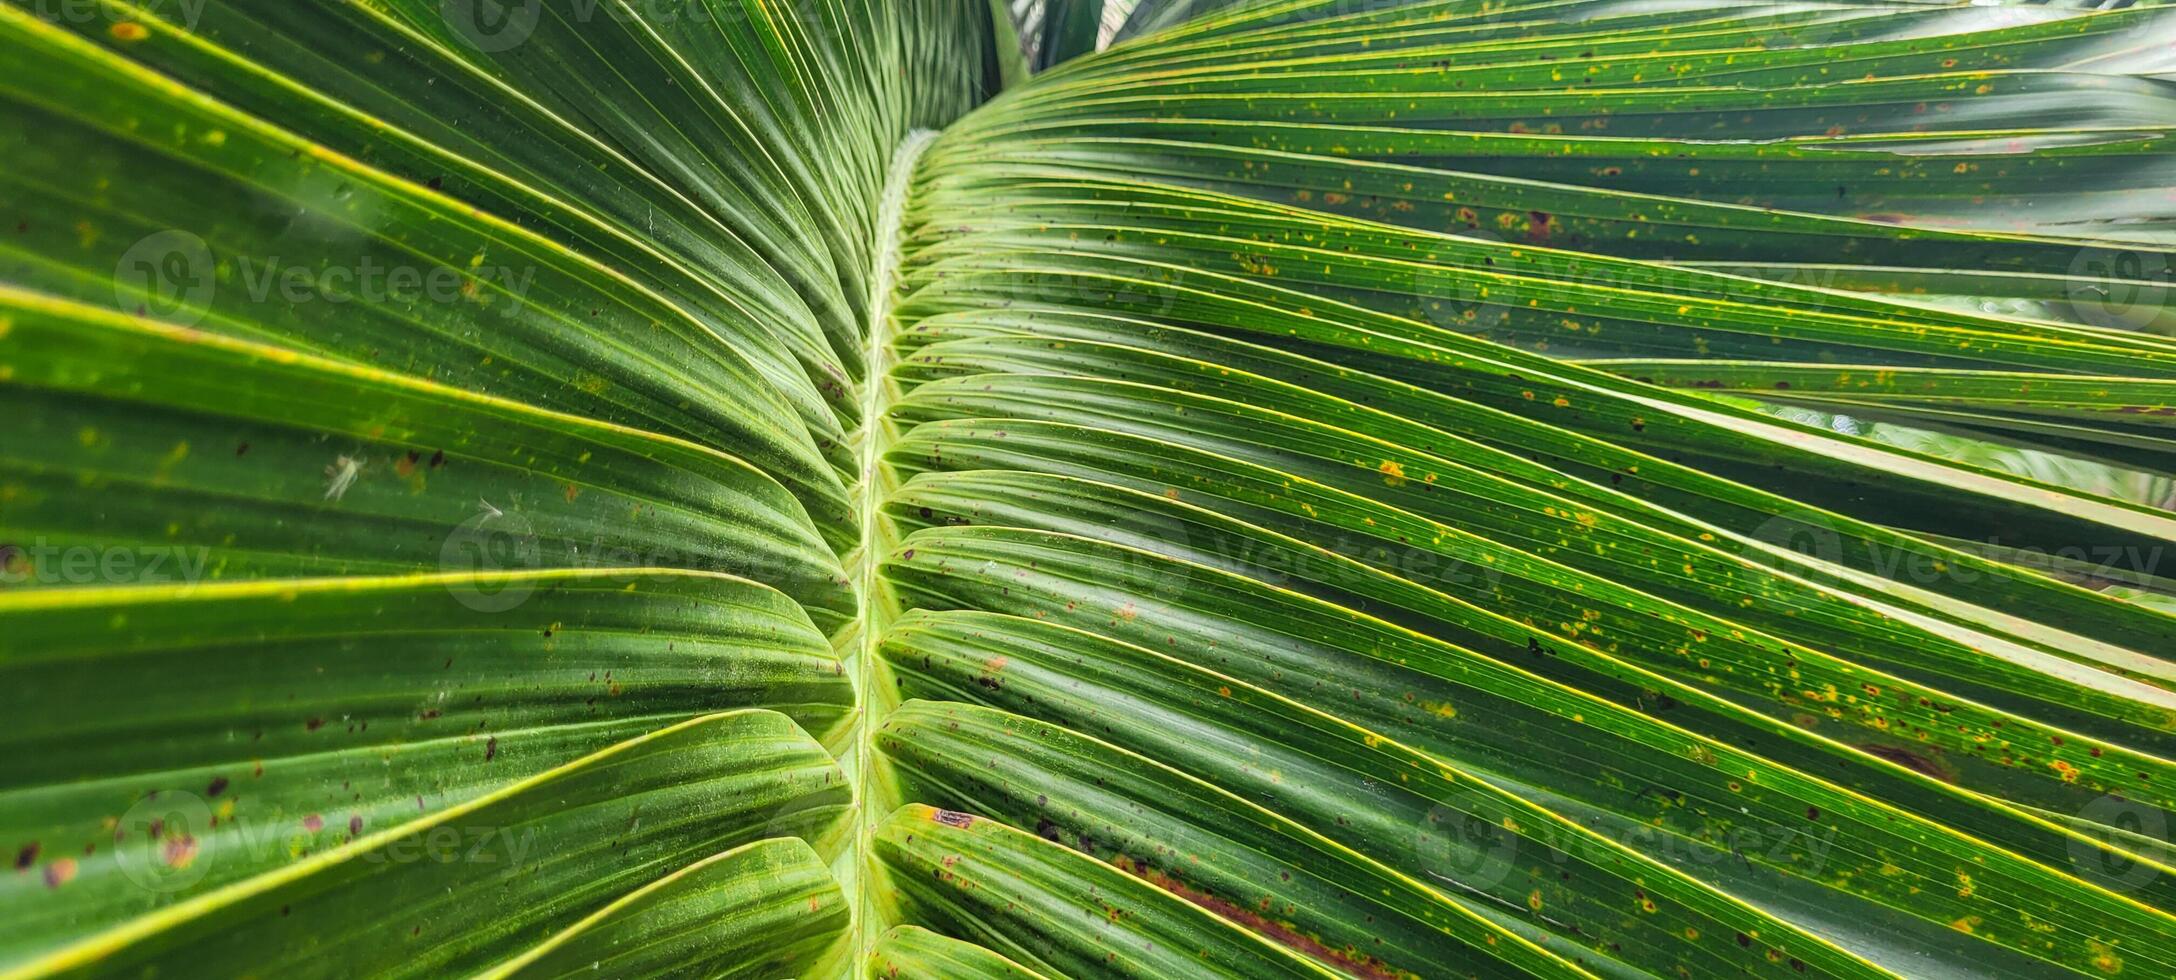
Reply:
x=968, y=488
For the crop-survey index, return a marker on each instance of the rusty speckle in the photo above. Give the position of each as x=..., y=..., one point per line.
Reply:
x=180, y=852
x=1917, y=763
x=1345, y=961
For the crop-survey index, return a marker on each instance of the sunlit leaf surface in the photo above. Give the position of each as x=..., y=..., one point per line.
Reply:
x=992, y=489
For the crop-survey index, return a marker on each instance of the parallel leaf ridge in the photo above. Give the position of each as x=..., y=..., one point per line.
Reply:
x=960, y=488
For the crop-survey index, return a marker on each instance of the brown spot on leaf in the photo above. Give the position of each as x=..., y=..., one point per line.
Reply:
x=1349, y=962
x=1538, y=226
x=1909, y=760
x=179, y=852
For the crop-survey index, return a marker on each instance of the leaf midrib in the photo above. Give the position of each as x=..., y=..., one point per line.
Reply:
x=871, y=442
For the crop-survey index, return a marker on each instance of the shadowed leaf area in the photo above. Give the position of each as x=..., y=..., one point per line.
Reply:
x=1064, y=488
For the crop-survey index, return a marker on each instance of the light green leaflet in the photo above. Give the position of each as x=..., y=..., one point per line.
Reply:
x=883, y=488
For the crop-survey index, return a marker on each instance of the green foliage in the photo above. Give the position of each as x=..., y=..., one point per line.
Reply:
x=769, y=488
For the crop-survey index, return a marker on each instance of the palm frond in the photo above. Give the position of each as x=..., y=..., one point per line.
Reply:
x=1289, y=488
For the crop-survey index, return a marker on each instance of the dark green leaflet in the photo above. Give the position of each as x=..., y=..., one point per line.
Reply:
x=1323, y=488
